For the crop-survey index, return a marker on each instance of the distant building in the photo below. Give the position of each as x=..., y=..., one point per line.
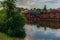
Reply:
x=49, y=13
x=34, y=17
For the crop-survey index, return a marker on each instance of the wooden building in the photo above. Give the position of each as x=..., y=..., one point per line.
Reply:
x=32, y=17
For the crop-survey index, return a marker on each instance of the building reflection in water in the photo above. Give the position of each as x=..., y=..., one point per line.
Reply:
x=50, y=24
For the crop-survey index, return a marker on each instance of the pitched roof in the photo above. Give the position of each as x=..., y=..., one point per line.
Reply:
x=34, y=12
x=58, y=8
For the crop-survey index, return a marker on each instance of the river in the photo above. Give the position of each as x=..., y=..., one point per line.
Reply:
x=34, y=33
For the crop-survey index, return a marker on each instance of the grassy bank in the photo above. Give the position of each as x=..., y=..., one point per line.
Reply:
x=6, y=37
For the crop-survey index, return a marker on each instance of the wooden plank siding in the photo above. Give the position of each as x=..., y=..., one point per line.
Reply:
x=43, y=16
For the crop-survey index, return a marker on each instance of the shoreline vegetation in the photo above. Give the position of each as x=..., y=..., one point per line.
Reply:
x=6, y=37
x=11, y=22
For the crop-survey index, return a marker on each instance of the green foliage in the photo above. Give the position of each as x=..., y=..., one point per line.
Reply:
x=16, y=26
x=38, y=10
x=2, y=18
x=12, y=21
x=6, y=37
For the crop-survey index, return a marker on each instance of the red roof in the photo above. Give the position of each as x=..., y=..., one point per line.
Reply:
x=58, y=8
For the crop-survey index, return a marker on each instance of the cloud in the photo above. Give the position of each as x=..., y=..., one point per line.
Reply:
x=36, y=3
x=26, y=2
x=0, y=0
x=58, y=33
x=23, y=6
x=30, y=29
x=31, y=2
x=50, y=1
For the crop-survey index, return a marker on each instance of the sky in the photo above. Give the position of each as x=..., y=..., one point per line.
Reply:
x=38, y=3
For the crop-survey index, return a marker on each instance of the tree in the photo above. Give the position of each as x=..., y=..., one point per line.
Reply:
x=38, y=10
x=45, y=8
x=2, y=18
x=15, y=22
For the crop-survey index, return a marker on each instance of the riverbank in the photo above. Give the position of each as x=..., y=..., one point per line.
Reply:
x=6, y=37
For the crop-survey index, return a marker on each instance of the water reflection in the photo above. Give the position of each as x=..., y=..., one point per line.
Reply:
x=34, y=33
x=51, y=24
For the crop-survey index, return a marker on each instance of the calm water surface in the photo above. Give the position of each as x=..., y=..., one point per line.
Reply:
x=34, y=33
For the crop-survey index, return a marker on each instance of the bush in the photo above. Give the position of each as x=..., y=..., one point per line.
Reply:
x=13, y=26
x=16, y=26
